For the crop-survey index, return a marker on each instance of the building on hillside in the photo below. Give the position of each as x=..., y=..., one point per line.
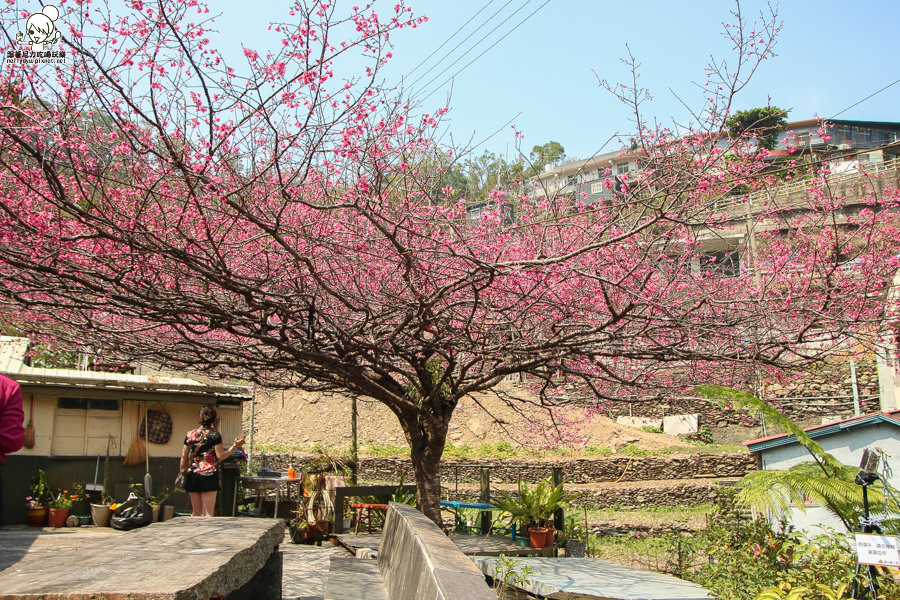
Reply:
x=851, y=149
x=80, y=417
x=845, y=440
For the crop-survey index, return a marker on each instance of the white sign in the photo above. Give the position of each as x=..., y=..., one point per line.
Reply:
x=872, y=549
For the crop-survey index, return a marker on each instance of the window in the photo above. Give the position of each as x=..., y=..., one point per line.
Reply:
x=722, y=262
x=83, y=426
x=622, y=168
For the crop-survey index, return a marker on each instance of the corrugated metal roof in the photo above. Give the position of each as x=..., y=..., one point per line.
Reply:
x=767, y=443
x=12, y=354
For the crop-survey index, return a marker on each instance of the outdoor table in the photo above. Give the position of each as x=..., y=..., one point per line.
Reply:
x=454, y=504
x=264, y=484
x=363, y=506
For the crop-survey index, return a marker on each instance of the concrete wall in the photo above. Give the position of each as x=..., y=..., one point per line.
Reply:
x=418, y=562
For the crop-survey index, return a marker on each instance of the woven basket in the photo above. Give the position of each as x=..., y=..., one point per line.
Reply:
x=160, y=425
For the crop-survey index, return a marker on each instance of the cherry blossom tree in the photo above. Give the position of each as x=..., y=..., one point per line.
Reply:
x=271, y=222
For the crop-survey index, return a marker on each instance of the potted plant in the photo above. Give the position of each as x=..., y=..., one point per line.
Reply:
x=60, y=504
x=36, y=505
x=101, y=513
x=532, y=510
x=155, y=501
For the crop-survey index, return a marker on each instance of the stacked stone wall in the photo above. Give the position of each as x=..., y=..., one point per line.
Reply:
x=576, y=471
x=826, y=390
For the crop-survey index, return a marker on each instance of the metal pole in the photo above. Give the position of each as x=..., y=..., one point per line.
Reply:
x=856, y=409
x=252, y=419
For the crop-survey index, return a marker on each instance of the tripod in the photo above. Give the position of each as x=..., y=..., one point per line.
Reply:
x=867, y=525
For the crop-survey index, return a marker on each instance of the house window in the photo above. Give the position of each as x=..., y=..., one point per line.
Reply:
x=622, y=168
x=722, y=262
x=83, y=426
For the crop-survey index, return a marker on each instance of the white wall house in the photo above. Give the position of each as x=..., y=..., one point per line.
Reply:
x=845, y=440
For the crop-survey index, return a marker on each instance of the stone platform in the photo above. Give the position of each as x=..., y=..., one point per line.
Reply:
x=180, y=559
x=596, y=579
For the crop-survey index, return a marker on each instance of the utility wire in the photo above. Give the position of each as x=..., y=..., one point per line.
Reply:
x=467, y=38
x=864, y=99
x=447, y=41
x=488, y=49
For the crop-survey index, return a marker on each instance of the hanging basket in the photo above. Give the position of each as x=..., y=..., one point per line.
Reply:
x=159, y=422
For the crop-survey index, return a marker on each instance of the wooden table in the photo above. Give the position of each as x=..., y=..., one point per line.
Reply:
x=265, y=484
x=363, y=506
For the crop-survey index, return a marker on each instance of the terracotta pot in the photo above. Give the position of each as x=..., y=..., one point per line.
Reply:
x=57, y=517
x=541, y=537
x=36, y=516
x=155, y=509
x=324, y=526
x=101, y=514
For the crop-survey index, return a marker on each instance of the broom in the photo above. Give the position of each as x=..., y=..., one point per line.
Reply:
x=136, y=452
x=29, y=429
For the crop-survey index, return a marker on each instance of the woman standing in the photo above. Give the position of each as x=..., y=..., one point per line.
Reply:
x=201, y=455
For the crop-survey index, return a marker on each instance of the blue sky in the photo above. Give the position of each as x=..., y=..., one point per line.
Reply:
x=543, y=75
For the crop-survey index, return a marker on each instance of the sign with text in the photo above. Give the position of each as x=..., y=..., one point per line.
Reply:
x=881, y=550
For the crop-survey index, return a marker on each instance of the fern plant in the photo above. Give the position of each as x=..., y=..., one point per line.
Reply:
x=824, y=480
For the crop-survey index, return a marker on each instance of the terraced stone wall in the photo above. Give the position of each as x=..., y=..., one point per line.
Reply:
x=578, y=471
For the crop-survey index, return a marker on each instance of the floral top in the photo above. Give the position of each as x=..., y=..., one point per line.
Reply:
x=205, y=462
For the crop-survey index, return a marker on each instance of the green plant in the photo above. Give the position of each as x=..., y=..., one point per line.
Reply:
x=508, y=574
x=651, y=429
x=534, y=508
x=40, y=491
x=744, y=556
x=62, y=499
x=702, y=437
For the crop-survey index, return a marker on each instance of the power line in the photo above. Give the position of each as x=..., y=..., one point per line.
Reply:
x=488, y=49
x=467, y=38
x=447, y=41
x=864, y=99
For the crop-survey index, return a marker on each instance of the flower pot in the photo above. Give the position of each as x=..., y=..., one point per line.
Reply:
x=57, y=517
x=540, y=537
x=155, y=509
x=36, y=516
x=168, y=511
x=325, y=526
x=100, y=514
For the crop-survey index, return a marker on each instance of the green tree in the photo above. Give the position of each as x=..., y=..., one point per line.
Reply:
x=551, y=153
x=762, y=123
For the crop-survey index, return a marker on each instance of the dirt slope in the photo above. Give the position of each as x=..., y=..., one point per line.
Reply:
x=296, y=420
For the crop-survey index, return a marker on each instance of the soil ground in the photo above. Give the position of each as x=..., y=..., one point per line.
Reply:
x=294, y=421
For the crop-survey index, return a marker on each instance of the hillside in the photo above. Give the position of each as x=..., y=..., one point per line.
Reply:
x=294, y=420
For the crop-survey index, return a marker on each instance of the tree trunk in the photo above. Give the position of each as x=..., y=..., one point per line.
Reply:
x=426, y=467
x=427, y=435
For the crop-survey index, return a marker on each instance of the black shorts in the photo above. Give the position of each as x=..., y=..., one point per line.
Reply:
x=201, y=483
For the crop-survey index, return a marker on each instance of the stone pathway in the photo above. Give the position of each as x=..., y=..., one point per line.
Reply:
x=306, y=569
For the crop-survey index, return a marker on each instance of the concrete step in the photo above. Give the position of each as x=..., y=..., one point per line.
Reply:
x=354, y=579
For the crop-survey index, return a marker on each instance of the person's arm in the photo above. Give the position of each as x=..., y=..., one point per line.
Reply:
x=185, y=457
x=222, y=454
x=12, y=418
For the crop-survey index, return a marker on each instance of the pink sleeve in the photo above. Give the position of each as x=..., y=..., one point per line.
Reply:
x=12, y=417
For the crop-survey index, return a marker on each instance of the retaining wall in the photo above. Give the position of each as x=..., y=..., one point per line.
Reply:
x=586, y=470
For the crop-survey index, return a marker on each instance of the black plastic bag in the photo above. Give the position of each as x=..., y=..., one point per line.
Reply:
x=131, y=514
